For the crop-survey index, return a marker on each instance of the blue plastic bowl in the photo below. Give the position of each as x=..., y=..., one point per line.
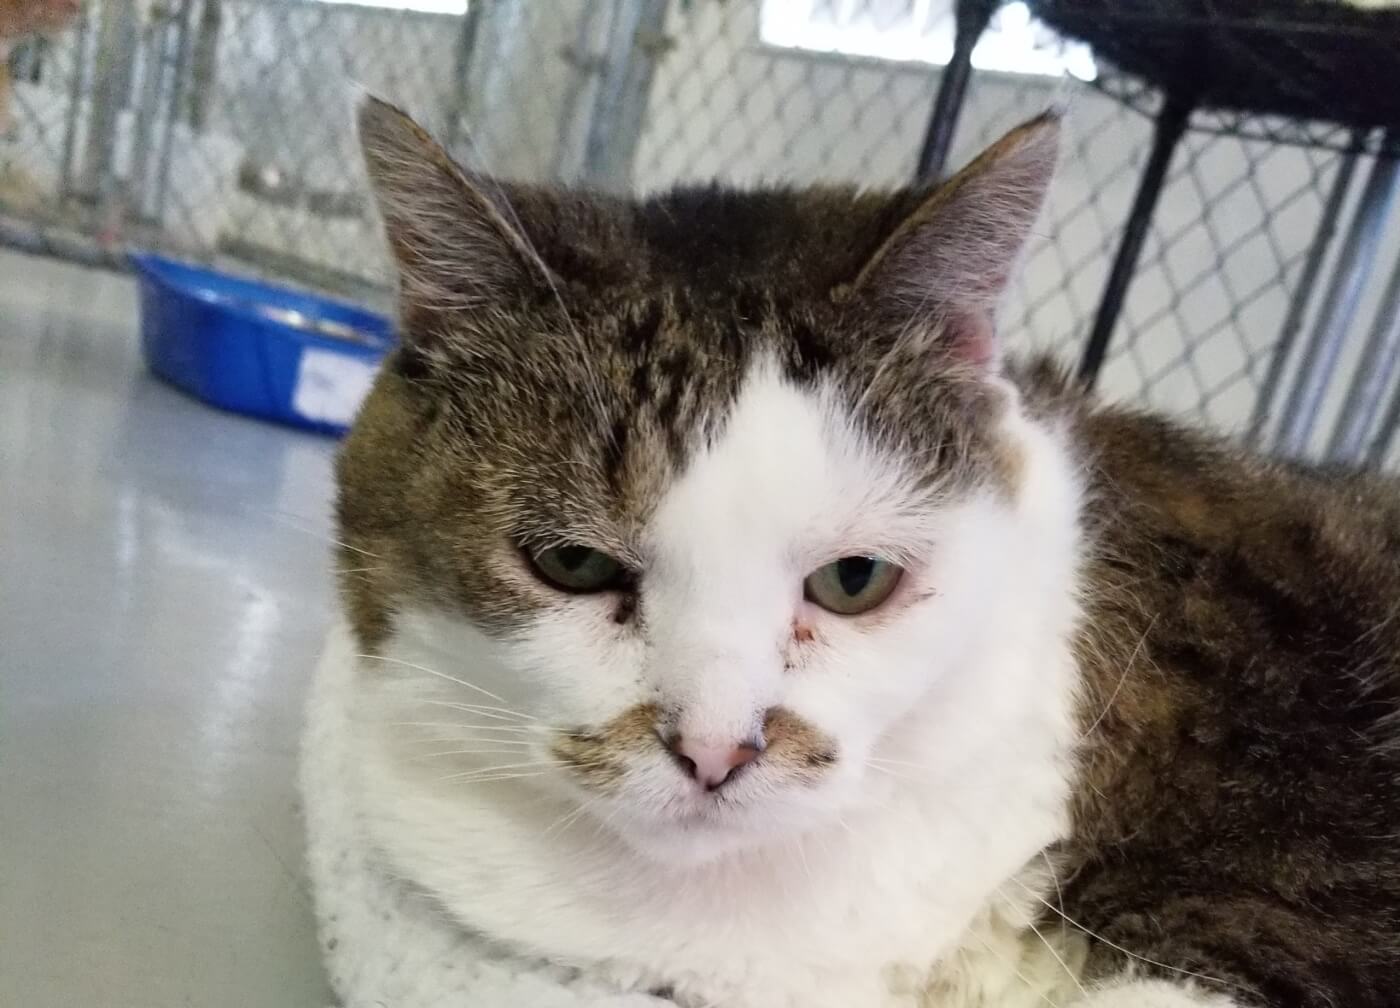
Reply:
x=255, y=348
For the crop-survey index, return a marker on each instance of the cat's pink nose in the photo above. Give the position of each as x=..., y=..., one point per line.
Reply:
x=710, y=764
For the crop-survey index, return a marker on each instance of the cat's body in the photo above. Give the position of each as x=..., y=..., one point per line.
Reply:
x=1239, y=811
x=1114, y=669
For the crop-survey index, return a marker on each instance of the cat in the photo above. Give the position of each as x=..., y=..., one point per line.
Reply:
x=728, y=622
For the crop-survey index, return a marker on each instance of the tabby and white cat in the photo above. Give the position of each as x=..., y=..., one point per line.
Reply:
x=727, y=624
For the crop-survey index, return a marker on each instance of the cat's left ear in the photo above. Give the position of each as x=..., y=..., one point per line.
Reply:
x=940, y=274
x=450, y=230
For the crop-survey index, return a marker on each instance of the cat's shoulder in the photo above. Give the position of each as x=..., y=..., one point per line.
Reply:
x=1150, y=476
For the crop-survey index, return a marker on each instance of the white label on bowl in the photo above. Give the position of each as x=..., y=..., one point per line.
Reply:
x=330, y=386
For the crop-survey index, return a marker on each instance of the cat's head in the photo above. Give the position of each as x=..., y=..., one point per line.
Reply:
x=714, y=509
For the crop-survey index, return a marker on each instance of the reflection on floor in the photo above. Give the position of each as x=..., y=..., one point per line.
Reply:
x=162, y=595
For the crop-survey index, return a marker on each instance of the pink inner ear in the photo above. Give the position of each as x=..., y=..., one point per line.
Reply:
x=973, y=338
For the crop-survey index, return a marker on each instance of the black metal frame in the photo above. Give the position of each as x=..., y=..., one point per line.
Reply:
x=971, y=18
x=1171, y=121
x=1171, y=125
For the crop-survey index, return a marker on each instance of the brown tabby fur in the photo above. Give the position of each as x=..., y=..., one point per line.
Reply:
x=601, y=756
x=1238, y=795
x=1238, y=813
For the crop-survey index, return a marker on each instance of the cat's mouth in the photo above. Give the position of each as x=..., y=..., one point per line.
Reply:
x=726, y=809
x=641, y=769
x=687, y=826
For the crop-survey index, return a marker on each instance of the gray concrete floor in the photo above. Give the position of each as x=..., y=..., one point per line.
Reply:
x=160, y=610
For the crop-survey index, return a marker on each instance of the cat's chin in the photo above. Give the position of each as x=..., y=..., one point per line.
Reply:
x=692, y=845
x=697, y=840
x=681, y=826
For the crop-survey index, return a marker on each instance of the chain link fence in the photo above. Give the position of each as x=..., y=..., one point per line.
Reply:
x=220, y=130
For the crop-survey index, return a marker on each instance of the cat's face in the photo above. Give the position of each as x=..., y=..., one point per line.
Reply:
x=696, y=538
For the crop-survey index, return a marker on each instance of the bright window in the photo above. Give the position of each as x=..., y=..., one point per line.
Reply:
x=922, y=31
x=425, y=6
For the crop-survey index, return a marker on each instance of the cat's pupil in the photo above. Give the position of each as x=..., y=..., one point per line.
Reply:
x=571, y=558
x=854, y=573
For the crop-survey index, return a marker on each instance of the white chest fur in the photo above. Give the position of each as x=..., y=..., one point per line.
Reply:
x=911, y=897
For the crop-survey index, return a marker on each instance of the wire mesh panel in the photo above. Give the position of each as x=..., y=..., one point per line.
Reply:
x=727, y=104
x=37, y=138
x=221, y=129
x=1212, y=290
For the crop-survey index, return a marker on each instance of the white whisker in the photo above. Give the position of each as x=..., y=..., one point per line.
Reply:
x=522, y=730
x=467, y=710
x=1119, y=948
x=1033, y=988
x=1059, y=891
x=285, y=519
x=479, y=739
x=887, y=771
x=568, y=818
x=802, y=856
x=1051, y=949
x=496, y=778
x=1127, y=668
x=482, y=771
x=433, y=672
x=490, y=713
x=901, y=763
x=510, y=738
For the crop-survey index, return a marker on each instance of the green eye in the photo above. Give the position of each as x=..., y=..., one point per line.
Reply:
x=852, y=585
x=578, y=568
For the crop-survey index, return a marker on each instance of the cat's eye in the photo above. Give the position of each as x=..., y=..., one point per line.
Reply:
x=852, y=585
x=577, y=568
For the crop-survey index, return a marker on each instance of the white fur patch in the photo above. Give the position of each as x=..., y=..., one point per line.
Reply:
x=903, y=871
x=1132, y=993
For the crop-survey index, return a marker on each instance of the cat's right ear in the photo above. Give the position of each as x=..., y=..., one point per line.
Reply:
x=449, y=230
x=938, y=278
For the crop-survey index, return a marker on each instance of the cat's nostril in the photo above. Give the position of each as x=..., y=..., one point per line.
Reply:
x=711, y=765
x=687, y=764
